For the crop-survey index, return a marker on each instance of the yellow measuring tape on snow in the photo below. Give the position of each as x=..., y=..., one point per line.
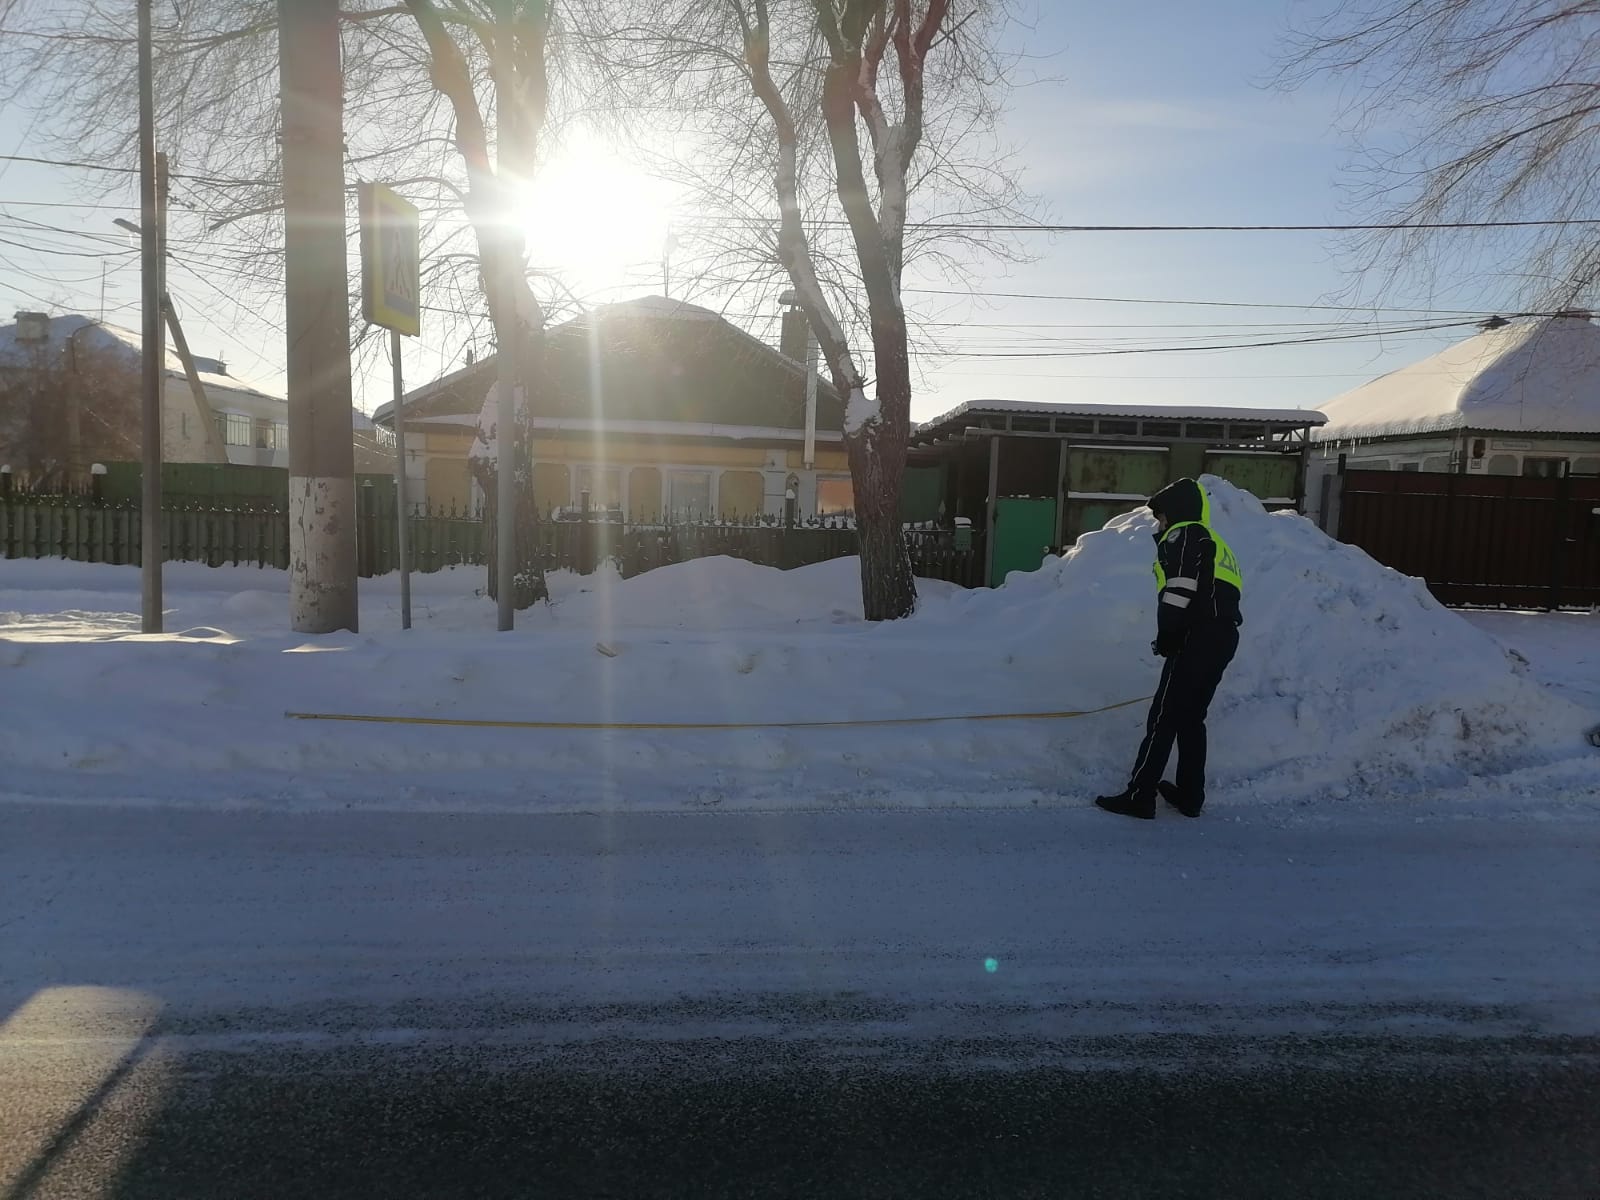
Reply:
x=1063, y=715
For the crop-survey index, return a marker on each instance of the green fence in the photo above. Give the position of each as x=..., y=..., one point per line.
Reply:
x=240, y=534
x=229, y=484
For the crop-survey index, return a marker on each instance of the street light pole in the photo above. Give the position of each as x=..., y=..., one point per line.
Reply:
x=152, y=345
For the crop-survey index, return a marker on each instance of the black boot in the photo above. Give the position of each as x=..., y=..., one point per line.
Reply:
x=1169, y=793
x=1126, y=804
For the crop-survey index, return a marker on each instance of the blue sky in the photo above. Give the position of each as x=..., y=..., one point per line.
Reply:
x=1153, y=115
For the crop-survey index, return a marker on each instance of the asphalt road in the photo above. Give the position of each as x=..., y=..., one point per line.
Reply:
x=811, y=1004
x=1150, y=1117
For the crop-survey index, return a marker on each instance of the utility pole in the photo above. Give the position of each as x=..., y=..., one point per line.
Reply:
x=152, y=345
x=402, y=505
x=322, y=499
x=507, y=353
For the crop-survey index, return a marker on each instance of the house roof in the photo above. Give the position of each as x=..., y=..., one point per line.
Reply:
x=658, y=360
x=72, y=330
x=1297, y=417
x=1043, y=418
x=1530, y=376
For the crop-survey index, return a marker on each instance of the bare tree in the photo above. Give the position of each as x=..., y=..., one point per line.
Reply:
x=64, y=404
x=813, y=125
x=426, y=81
x=1501, y=100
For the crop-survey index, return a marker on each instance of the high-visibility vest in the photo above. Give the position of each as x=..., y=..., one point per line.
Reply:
x=1225, y=564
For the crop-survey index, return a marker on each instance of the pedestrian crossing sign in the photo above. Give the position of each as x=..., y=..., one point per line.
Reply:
x=390, y=270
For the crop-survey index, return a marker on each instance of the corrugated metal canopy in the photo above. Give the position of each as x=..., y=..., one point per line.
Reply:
x=972, y=411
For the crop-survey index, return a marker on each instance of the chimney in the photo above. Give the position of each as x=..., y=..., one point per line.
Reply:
x=795, y=331
x=33, y=327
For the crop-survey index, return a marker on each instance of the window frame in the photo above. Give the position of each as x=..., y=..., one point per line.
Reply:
x=673, y=476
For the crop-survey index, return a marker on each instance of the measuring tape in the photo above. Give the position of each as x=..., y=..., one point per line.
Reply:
x=460, y=722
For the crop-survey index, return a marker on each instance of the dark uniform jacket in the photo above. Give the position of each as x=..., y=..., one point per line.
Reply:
x=1189, y=560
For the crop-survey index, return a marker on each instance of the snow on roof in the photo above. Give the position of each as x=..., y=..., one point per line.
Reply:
x=1527, y=376
x=658, y=307
x=1284, y=416
x=101, y=336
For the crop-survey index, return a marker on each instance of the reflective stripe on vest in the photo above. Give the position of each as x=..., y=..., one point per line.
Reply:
x=1225, y=564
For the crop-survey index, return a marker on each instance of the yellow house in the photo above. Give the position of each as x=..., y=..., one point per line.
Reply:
x=653, y=407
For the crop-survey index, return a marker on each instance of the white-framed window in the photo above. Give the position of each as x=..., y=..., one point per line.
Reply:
x=266, y=434
x=1542, y=468
x=233, y=428
x=604, y=485
x=689, y=493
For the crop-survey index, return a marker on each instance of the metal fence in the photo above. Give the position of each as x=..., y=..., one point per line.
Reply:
x=247, y=532
x=1476, y=539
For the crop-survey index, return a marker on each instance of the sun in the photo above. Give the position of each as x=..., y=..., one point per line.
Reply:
x=598, y=222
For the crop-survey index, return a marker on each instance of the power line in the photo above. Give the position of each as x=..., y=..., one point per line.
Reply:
x=65, y=204
x=1306, y=341
x=1344, y=308
x=74, y=164
x=972, y=226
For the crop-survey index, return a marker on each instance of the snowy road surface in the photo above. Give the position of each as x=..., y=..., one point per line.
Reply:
x=1334, y=1003
x=827, y=925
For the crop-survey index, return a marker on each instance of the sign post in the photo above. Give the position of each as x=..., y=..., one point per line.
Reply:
x=391, y=297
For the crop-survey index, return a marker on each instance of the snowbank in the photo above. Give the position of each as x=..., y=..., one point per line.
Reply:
x=1351, y=680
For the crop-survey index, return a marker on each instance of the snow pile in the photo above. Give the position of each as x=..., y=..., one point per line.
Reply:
x=1350, y=680
x=1350, y=676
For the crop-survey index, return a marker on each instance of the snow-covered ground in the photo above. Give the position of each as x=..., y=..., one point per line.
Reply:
x=1352, y=684
x=1562, y=649
x=1401, y=833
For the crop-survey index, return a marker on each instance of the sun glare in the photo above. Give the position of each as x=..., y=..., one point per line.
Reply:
x=598, y=221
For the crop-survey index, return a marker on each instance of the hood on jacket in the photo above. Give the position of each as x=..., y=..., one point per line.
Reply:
x=1184, y=500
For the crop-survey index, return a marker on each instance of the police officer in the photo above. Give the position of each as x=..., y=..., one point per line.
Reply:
x=1197, y=631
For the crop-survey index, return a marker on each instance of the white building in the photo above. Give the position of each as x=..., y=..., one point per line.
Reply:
x=230, y=421
x=1519, y=398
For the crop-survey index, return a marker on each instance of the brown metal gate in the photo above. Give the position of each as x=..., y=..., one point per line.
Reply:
x=1479, y=539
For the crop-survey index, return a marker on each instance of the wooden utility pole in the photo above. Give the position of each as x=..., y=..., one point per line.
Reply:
x=152, y=344
x=322, y=500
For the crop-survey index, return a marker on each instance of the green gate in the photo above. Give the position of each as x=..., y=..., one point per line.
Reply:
x=1024, y=529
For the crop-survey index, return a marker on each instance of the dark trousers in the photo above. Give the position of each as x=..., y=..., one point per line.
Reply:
x=1178, y=712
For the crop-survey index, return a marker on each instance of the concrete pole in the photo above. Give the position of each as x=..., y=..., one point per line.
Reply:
x=402, y=507
x=152, y=345
x=322, y=500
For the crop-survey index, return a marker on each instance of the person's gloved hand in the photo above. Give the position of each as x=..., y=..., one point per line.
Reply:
x=1169, y=643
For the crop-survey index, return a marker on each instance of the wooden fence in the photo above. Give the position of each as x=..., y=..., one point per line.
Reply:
x=246, y=533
